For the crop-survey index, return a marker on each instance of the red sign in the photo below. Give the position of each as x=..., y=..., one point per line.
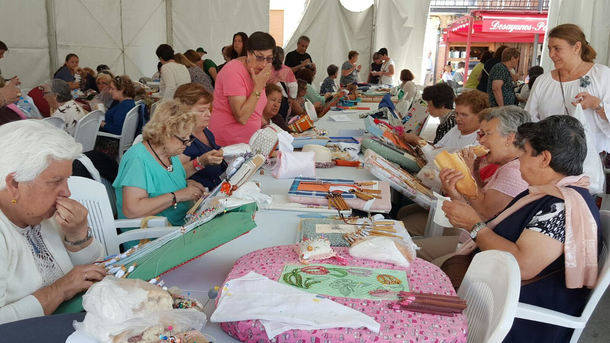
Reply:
x=521, y=25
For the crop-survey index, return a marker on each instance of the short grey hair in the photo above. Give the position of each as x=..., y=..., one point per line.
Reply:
x=509, y=117
x=61, y=89
x=303, y=39
x=28, y=146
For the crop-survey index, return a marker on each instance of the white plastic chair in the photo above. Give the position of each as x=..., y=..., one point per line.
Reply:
x=88, y=164
x=138, y=139
x=86, y=129
x=491, y=289
x=92, y=195
x=153, y=107
x=127, y=134
x=543, y=315
x=55, y=121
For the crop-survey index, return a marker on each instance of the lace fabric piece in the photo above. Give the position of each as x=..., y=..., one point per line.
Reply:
x=47, y=266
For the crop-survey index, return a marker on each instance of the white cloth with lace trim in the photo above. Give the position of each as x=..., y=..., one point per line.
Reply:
x=48, y=268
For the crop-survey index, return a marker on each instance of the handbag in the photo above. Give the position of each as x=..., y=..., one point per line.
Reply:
x=414, y=119
x=592, y=166
x=265, y=140
x=301, y=124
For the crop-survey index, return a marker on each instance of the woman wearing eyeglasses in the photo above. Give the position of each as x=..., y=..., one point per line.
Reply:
x=239, y=94
x=203, y=159
x=122, y=90
x=151, y=180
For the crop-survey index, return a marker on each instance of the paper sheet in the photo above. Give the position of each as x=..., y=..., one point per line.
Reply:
x=339, y=117
x=439, y=215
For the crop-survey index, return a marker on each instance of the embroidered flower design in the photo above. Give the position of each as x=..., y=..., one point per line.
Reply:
x=585, y=81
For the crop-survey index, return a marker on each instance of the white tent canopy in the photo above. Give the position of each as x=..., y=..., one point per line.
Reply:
x=125, y=33
x=120, y=33
x=398, y=25
x=591, y=16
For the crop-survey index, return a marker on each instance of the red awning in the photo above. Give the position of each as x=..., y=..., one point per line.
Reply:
x=500, y=27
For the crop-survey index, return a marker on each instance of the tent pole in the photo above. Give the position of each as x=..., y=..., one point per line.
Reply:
x=468, y=42
x=536, y=39
x=169, y=22
x=51, y=36
x=122, y=36
x=373, y=31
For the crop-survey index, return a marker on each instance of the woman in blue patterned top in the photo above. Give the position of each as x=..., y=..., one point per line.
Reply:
x=203, y=159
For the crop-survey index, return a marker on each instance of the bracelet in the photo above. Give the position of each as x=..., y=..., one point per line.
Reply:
x=476, y=228
x=599, y=107
x=196, y=164
x=79, y=242
x=174, y=201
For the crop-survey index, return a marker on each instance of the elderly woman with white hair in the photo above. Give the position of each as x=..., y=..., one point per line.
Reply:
x=46, y=245
x=497, y=133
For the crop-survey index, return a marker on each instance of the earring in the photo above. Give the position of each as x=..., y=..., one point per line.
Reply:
x=14, y=201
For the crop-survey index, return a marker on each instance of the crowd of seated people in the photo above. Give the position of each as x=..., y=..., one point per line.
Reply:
x=532, y=196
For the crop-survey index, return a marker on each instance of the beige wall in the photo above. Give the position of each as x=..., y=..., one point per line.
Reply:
x=276, y=26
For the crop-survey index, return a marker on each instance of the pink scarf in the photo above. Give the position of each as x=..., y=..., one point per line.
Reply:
x=580, y=246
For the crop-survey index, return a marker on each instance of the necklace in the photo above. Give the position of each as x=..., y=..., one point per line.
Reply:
x=169, y=168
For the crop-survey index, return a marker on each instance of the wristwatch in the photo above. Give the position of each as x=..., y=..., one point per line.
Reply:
x=599, y=107
x=79, y=242
x=476, y=228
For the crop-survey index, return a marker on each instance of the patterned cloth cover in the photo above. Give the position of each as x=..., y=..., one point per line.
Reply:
x=396, y=326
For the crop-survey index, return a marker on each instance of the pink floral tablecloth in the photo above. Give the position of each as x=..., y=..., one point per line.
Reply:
x=396, y=326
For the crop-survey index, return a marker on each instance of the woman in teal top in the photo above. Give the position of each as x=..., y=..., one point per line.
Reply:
x=151, y=179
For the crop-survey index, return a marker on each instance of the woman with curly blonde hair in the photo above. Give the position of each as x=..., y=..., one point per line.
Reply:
x=151, y=179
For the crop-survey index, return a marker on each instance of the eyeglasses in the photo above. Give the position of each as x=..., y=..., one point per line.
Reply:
x=185, y=141
x=261, y=58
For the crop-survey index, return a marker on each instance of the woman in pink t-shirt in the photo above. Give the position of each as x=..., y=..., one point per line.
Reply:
x=239, y=93
x=497, y=133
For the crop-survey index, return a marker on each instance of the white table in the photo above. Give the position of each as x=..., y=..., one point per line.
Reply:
x=273, y=228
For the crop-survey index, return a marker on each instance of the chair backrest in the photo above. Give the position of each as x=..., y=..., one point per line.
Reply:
x=92, y=195
x=129, y=130
x=138, y=139
x=88, y=164
x=153, y=107
x=603, y=278
x=491, y=289
x=86, y=129
x=55, y=121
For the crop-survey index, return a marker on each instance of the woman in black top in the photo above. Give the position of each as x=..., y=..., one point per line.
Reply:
x=487, y=68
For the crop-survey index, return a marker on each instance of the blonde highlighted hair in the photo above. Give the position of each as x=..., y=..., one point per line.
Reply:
x=170, y=118
x=180, y=58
